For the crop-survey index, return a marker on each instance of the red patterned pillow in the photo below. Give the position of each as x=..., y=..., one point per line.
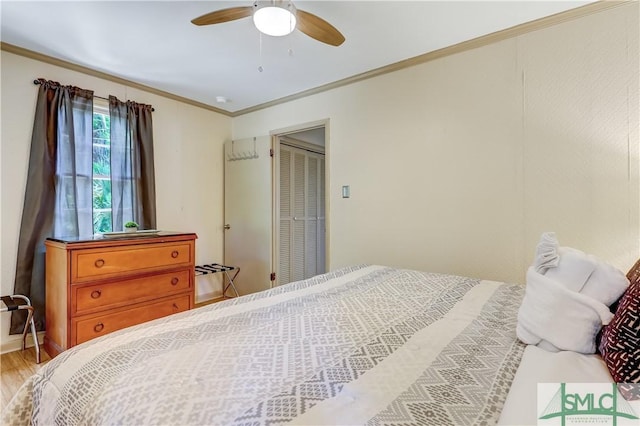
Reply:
x=620, y=343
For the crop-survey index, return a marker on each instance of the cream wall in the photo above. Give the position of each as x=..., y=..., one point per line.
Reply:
x=188, y=147
x=457, y=165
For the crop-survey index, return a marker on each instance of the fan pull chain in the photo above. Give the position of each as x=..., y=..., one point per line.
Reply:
x=260, y=69
x=290, y=51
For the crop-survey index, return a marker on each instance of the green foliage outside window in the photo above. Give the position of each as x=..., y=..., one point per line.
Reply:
x=101, y=173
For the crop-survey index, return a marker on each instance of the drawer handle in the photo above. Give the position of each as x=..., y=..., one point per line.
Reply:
x=95, y=294
x=174, y=254
x=175, y=306
x=98, y=327
x=174, y=281
x=99, y=263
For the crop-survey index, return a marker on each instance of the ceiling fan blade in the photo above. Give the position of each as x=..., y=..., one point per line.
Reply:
x=318, y=28
x=224, y=15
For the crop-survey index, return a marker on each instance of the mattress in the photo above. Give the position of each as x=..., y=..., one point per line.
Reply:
x=540, y=366
x=361, y=345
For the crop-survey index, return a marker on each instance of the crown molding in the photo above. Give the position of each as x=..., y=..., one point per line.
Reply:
x=497, y=36
x=105, y=76
x=484, y=40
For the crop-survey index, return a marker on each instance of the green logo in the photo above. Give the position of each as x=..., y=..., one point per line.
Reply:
x=607, y=403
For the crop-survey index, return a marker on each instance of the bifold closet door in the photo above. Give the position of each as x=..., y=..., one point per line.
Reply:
x=314, y=225
x=286, y=218
x=302, y=218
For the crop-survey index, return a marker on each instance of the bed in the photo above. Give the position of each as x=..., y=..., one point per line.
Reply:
x=360, y=345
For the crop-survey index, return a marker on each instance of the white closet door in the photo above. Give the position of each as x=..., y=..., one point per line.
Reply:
x=320, y=228
x=302, y=217
x=311, y=243
x=299, y=214
x=286, y=219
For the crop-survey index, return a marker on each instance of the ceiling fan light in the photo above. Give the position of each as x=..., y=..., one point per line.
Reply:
x=274, y=20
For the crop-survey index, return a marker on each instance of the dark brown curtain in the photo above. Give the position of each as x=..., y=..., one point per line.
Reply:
x=58, y=192
x=133, y=191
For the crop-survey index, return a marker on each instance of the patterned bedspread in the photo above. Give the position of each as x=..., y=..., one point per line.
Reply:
x=361, y=345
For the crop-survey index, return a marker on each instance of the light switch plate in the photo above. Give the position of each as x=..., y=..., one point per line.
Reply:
x=346, y=191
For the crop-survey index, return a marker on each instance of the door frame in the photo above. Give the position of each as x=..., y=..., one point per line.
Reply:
x=275, y=185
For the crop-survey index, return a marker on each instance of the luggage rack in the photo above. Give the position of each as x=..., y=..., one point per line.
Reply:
x=11, y=305
x=215, y=268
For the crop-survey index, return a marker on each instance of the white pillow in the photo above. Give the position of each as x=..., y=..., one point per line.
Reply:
x=567, y=297
x=586, y=274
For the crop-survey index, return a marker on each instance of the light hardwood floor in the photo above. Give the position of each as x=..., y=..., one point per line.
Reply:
x=15, y=368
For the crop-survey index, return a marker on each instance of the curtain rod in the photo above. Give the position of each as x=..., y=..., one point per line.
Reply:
x=36, y=82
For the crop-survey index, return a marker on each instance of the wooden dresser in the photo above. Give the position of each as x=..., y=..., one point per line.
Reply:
x=96, y=286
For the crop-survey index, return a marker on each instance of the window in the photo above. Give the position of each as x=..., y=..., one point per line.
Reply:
x=101, y=169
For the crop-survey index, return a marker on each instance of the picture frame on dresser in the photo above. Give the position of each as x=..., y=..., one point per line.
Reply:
x=97, y=285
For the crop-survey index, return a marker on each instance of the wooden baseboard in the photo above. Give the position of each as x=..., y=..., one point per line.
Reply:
x=209, y=301
x=14, y=342
x=51, y=348
x=204, y=299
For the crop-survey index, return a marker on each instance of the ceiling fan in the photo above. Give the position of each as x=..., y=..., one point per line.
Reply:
x=277, y=18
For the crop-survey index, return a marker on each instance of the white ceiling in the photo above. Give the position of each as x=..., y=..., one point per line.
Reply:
x=154, y=43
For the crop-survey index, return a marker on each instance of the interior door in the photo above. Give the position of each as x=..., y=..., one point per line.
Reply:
x=248, y=212
x=301, y=217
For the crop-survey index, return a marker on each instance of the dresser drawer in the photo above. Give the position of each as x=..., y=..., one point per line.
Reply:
x=92, y=298
x=92, y=264
x=96, y=326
